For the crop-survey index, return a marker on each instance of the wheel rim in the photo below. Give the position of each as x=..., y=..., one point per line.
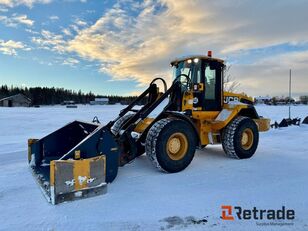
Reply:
x=177, y=146
x=247, y=139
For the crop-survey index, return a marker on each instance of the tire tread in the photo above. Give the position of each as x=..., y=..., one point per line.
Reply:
x=151, y=139
x=228, y=137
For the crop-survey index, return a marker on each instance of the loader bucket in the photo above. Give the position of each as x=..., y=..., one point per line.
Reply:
x=75, y=161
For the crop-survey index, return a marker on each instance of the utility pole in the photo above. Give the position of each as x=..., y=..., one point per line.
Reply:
x=290, y=79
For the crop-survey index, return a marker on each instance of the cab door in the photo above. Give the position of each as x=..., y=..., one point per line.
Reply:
x=212, y=95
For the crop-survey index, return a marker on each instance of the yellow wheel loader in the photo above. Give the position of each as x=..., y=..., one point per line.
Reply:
x=79, y=159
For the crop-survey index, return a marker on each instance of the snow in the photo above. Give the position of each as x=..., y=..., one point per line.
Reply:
x=141, y=198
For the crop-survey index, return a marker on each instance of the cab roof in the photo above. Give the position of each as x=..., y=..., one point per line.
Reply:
x=203, y=57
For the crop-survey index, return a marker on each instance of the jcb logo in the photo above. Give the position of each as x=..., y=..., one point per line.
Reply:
x=226, y=213
x=229, y=99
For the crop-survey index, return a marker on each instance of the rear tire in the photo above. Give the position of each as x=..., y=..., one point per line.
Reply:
x=171, y=144
x=116, y=128
x=240, y=138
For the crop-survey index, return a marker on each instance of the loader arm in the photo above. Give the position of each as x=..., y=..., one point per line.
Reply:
x=131, y=147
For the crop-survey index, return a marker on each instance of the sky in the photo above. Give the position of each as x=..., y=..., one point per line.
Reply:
x=118, y=47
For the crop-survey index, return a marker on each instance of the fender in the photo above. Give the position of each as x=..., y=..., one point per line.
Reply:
x=181, y=116
x=250, y=112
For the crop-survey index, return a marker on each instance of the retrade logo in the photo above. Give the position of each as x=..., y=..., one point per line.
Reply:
x=226, y=213
x=231, y=213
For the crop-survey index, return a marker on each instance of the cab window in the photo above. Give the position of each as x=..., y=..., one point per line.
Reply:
x=210, y=82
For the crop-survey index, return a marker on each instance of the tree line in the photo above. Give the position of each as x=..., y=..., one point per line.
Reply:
x=52, y=95
x=276, y=100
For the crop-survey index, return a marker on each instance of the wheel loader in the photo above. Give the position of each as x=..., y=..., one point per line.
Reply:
x=79, y=159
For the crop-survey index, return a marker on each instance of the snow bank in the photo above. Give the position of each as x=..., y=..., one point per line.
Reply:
x=142, y=198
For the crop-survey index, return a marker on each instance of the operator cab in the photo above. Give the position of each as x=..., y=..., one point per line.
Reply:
x=206, y=76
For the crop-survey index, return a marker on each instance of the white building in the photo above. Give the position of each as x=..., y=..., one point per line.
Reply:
x=263, y=99
x=100, y=101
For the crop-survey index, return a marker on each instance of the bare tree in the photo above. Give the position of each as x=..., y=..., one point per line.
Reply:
x=230, y=84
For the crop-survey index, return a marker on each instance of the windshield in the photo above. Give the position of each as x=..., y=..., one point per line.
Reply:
x=191, y=68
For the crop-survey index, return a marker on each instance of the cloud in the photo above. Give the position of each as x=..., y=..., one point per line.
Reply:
x=67, y=32
x=57, y=42
x=3, y=9
x=54, y=18
x=16, y=20
x=134, y=93
x=32, y=31
x=80, y=22
x=137, y=40
x=10, y=47
x=23, y=19
x=28, y=3
x=123, y=46
x=70, y=62
x=50, y=41
x=140, y=45
x=270, y=75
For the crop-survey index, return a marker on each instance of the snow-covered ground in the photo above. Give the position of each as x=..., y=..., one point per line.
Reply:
x=141, y=198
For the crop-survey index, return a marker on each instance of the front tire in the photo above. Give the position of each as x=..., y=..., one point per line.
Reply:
x=240, y=138
x=171, y=144
x=116, y=128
